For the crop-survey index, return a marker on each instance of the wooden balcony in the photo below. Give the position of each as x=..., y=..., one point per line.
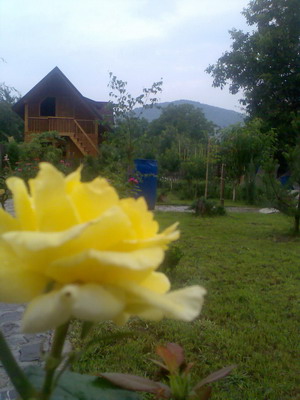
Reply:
x=84, y=133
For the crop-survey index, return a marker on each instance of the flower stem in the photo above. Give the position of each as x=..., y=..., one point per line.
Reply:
x=54, y=359
x=15, y=373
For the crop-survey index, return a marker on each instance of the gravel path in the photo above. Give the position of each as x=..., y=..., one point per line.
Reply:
x=187, y=209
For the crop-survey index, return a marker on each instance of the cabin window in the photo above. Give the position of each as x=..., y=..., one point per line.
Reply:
x=47, y=108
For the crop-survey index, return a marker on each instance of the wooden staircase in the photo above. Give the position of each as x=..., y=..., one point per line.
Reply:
x=76, y=130
x=82, y=141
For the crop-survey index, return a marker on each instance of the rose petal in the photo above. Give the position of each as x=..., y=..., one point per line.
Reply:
x=7, y=222
x=19, y=286
x=49, y=310
x=184, y=304
x=141, y=218
x=16, y=284
x=105, y=266
x=157, y=281
x=54, y=209
x=22, y=241
x=22, y=203
x=91, y=199
x=86, y=302
x=96, y=303
x=188, y=303
x=161, y=239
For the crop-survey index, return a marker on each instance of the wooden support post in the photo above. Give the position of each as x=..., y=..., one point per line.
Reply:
x=222, y=185
x=207, y=168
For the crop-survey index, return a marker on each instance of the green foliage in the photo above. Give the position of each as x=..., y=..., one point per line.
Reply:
x=13, y=150
x=73, y=386
x=169, y=161
x=178, y=372
x=265, y=64
x=11, y=125
x=244, y=149
x=207, y=208
x=123, y=104
x=43, y=147
x=286, y=197
x=186, y=120
x=23, y=158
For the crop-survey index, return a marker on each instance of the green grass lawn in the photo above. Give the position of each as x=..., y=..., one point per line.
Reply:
x=250, y=266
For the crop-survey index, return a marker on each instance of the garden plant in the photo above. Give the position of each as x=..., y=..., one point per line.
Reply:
x=77, y=251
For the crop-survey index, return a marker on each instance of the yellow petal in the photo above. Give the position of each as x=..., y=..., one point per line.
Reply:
x=157, y=281
x=107, y=231
x=96, y=303
x=16, y=284
x=7, y=222
x=54, y=209
x=184, y=304
x=73, y=179
x=187, y=303
x=49, y=311
x=91, y=199
x=22, y=203
x=105, y=266
x=161, y=239
x=21, y=241
x=19, y=286
x=141, y=218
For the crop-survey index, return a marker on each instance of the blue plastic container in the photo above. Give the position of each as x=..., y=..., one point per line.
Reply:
x=147, y=185
x=284, y=179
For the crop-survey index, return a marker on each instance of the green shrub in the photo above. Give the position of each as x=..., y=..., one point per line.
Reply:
x=207, y=208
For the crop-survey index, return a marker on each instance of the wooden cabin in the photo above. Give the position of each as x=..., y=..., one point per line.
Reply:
x=54, y=104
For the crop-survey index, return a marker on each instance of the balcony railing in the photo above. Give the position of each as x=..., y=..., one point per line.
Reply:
x=59, y=124
x=82, y=132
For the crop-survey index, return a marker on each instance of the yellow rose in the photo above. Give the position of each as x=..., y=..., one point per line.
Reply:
x=76, y=250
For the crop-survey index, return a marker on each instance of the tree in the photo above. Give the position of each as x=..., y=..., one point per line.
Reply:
x=124, y=103
x=244, y=149
x=10, y=123
x=265, y=65
x=186, y=119
x=183, y=126
x=285, y=196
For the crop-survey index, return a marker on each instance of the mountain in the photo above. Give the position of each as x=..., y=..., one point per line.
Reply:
x=219, y=116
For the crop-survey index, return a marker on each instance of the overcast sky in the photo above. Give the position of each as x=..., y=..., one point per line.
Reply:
x=140, y=41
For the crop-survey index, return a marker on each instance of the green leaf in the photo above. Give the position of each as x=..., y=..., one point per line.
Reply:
x=15, y=373
x=215, y=376
x=73, y=386
x=138, y=383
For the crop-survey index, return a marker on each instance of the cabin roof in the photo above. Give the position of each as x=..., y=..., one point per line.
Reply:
x=98, y=108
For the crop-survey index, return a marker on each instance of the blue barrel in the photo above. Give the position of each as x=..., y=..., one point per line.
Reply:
x=284, y=179
x=147, y=170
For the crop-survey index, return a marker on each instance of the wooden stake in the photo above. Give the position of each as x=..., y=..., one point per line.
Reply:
x=222, y=185
x=207, y=168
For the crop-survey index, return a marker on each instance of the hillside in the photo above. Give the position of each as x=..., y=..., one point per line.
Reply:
x=219, y=116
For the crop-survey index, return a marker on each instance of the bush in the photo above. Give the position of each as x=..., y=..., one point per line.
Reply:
x=207, y=208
